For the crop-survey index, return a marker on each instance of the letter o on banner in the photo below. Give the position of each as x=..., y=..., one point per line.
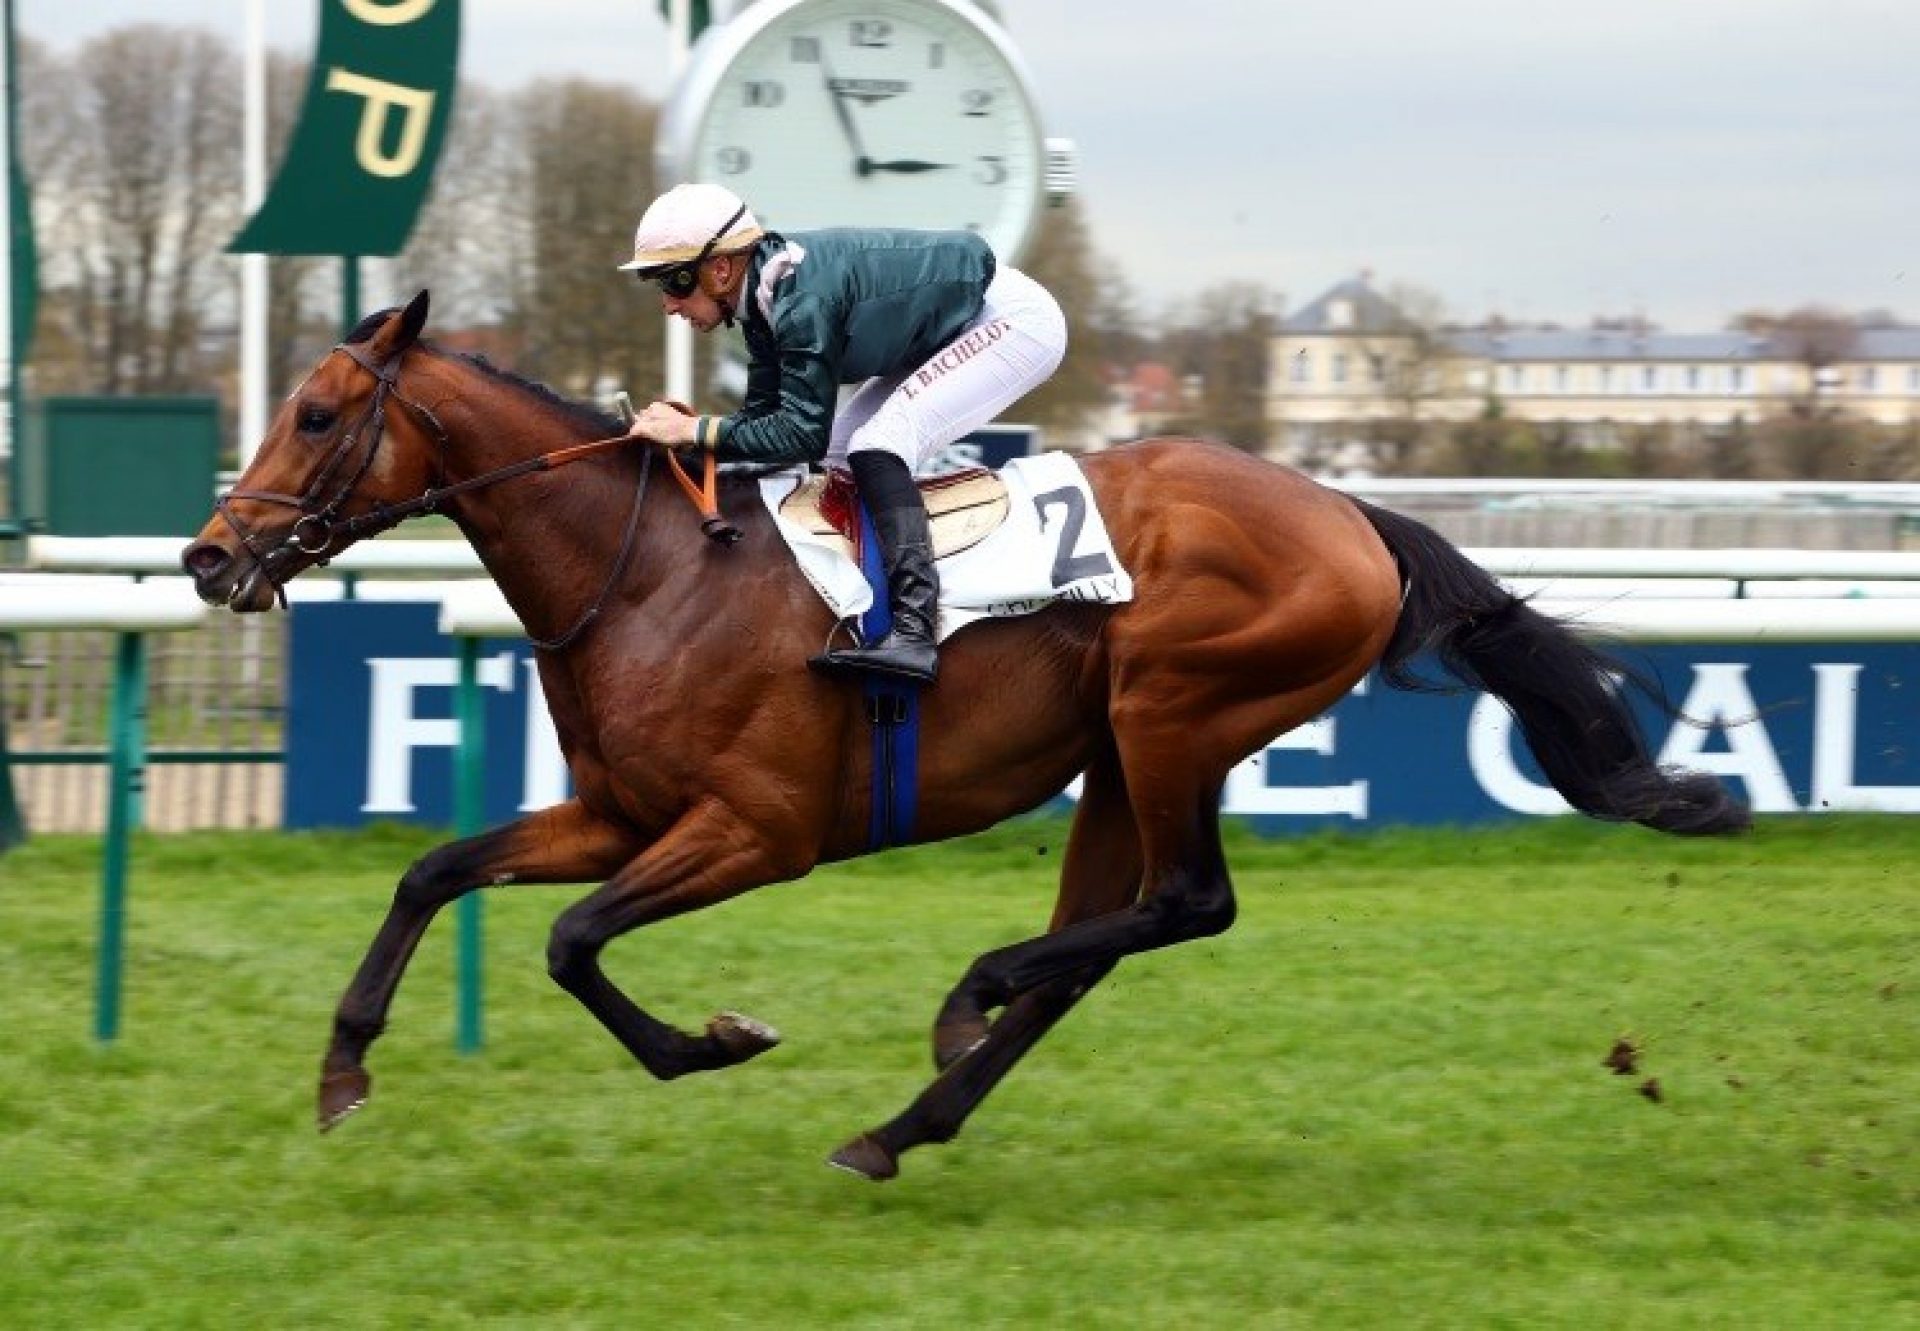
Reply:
x=387, y=15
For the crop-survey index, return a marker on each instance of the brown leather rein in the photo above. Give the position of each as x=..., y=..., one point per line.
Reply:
x=321, y=528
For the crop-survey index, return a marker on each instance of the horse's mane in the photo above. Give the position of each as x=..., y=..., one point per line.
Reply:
x=592, y=418
x=582, y=414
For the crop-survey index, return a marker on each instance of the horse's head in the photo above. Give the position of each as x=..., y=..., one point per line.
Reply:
x=347, y=444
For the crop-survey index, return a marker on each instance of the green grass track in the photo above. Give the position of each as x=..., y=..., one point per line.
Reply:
x=1377, y=1102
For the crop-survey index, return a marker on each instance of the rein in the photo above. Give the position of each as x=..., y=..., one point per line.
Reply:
x=320, y=527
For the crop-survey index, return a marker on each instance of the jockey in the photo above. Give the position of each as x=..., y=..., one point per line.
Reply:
x=939, y=337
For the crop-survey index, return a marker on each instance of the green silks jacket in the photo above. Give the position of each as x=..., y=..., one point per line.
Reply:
x=825, y=308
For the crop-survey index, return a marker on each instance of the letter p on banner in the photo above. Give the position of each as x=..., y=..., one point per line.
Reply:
x=369, y=133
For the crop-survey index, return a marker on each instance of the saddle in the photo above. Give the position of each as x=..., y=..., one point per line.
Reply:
x=962, y=508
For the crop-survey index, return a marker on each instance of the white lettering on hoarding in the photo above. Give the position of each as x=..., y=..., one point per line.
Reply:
x=1719, y=710
x=1490, y=758
x=1836, y=721
x=394, y=731
x=1720, y=703
x=544, y=774
x=1247, y=790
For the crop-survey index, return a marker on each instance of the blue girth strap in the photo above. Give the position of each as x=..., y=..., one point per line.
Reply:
x=893, y=707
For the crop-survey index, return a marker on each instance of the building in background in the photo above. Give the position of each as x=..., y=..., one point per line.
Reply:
x=1352, y=377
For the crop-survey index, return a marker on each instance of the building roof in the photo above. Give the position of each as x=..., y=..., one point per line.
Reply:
x=1886, y=344
x=1351, y=307
x=1609, y=344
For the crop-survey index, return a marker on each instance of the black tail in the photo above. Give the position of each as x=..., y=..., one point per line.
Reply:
x=1562, y=691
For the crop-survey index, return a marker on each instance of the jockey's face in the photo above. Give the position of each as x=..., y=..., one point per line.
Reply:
x=701, y=307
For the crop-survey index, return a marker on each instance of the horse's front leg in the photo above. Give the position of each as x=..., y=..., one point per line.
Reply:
x=710, y=854
x=562, y=844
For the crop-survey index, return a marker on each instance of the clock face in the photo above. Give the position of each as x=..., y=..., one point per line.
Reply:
x=911, y=113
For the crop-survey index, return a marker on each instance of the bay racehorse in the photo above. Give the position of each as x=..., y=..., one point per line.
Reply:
x=707, y=760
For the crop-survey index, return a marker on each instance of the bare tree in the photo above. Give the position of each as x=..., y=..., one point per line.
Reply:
x=1813, y=441
x=145, y=195
x=1222, y=340
x=585, y=176
x=300, y=321
x=1064, y=262
x=1407, y=362
x=471, y=241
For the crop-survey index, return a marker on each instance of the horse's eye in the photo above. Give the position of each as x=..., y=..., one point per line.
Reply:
x=315, y=420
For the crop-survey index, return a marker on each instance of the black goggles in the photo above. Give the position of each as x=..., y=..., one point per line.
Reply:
x=680, y=279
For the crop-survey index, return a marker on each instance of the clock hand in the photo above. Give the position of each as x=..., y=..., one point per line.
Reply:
x=907, y=166
x=840, y=109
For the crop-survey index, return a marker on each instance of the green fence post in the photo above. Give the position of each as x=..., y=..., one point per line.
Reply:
x=469, y=814
x=126, y=770
x=13, y=828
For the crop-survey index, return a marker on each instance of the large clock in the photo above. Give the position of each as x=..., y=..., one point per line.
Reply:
x=910, y=113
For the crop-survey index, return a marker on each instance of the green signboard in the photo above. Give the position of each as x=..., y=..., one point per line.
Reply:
x=119, y=466
x=370, y=131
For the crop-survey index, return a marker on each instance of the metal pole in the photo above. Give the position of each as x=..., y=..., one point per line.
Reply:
x=253, y=267
x=10, y=337
x=13, y=828
x=349, y=293
x=469, y=814
x=679, y=349
x=126, y=771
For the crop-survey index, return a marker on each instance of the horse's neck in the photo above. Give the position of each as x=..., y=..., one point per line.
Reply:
x=550, y=539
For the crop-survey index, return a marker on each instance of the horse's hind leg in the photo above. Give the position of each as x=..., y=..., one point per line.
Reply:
x=563, y=844
x=1100, y=874
x=1185, y=894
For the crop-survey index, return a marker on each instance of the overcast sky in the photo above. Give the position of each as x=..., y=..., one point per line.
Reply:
x=1546, y=159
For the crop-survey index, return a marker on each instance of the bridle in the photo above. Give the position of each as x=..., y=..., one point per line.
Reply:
x=315, y=531
x=321, y=527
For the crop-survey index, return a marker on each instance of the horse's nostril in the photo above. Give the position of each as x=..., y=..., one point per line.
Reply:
x=204, y=559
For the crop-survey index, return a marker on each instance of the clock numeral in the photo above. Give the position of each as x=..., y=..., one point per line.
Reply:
x=870, y=32
x=733, y=160
x=992, y=170
x=763, y=92
x=976, y=102
x=937, y=55
x=804, y=51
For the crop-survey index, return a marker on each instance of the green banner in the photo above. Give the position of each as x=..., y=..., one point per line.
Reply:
x=699, y=15
x=370, y=131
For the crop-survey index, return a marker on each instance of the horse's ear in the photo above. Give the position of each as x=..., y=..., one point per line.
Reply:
x=401, y=331
x=414, y=318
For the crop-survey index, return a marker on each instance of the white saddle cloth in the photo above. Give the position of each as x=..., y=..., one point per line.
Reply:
x=1052, y=547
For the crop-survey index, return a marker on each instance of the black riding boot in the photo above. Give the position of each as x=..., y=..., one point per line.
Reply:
x=909, y=649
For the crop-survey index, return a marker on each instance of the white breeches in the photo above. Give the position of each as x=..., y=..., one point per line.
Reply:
x=1011, y=348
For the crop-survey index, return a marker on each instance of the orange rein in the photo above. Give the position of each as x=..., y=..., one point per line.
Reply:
x=704, y=496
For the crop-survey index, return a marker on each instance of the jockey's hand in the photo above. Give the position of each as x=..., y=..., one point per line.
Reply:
x=664, y=423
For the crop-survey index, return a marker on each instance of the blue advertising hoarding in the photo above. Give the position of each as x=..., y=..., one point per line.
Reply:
x=1793, y=728
x=370, y=724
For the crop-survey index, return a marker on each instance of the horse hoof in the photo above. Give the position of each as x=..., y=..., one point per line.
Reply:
x=953, y=1041
x=742, y=1036
x=867, y=1158
x=341, y=1093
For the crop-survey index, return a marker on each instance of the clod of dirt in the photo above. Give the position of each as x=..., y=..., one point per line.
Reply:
x=1651, y=1089
x=1623, y=1058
